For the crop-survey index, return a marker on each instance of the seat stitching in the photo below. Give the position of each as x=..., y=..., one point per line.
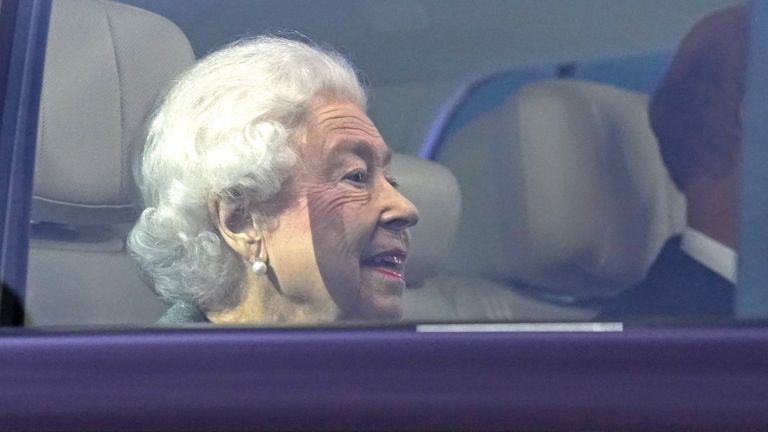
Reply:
x=123, y=157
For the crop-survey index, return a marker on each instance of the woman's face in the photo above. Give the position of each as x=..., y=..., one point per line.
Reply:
x=342, y=248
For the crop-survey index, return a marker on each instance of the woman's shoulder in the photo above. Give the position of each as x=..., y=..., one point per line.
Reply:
x=182, y=313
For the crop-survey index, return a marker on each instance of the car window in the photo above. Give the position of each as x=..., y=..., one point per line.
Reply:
x=551, y=161
x=541, y=206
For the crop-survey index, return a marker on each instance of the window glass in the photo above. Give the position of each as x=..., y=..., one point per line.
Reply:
x=496, y=161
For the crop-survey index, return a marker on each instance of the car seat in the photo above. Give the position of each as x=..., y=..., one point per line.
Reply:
x=106, y=64
x=565, y=197
x=639, y=73
x=435, y=292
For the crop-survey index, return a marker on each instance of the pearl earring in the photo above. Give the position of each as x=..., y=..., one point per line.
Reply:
x=259, y=267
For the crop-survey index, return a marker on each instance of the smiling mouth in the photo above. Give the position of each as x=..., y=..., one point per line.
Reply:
x=390, y=263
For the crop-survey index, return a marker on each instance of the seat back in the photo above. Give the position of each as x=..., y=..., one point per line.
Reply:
x=433, y=190
x=435, y=292
x=106, y=65
x=634, y=72
x=564, y=191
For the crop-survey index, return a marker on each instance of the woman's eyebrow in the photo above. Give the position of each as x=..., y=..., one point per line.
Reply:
x=365, y=150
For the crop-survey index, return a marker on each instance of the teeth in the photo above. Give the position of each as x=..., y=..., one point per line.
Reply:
x=389, y=260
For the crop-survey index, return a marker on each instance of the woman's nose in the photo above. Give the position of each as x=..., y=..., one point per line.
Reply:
x=399, y=213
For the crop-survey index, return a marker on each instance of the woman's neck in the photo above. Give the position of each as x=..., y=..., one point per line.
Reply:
x=264, y=304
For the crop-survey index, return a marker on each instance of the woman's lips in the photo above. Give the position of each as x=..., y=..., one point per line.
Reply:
x=390, y=263
x=389, y=272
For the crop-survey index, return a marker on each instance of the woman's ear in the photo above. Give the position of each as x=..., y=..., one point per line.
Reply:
x=238, y=230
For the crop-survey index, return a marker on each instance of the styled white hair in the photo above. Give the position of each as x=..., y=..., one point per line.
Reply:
x=225, y=131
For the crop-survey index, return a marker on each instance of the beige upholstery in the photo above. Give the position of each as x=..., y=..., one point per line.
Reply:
x=564, y=191
x=435, y=193
x=434, y=293
x=450, y=298
x=106, y=64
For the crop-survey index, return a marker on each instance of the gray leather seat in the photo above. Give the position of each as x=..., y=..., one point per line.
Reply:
x=106, y=64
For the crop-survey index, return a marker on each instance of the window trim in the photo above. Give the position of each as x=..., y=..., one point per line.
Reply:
x=332, y=379
x=22, y=46
x=751, y=300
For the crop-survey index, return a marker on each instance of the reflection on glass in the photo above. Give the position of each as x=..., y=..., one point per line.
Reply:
x=581, y=173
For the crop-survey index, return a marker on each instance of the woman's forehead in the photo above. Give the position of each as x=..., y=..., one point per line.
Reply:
x=343, y=127
x=342, y=117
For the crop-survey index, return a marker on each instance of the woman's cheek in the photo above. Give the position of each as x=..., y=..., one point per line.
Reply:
x=337, y=251
x=333, y=214
x=328, y=203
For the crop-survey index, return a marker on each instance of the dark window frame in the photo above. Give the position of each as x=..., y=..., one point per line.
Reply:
x=23, y=35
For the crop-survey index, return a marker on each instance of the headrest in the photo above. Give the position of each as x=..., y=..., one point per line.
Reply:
x=434, y=191
x=106, y=64
x=565, y=190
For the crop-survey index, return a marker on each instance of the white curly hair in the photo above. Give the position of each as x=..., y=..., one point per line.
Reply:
x=225, y=131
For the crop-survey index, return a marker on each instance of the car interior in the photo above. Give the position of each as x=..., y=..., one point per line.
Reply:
x=540, y=186
x=521, y=131
x=104, y=71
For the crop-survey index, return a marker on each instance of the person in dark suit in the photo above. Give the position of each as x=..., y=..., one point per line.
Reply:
x=696, y=116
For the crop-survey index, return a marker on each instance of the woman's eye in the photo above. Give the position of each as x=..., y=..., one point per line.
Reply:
x=358, y=177
x=393, y=182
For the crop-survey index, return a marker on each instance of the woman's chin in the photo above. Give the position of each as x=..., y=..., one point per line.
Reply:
x=380, y=303
x=388, y=309
x=385, y=306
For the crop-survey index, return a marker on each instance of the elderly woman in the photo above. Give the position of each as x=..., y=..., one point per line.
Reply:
x=268, y=194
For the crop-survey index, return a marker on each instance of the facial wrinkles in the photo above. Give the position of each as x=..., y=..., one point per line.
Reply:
x=339, y=115
x=332, y=199
x=341, y=224
x=329, y=198
x=337, y=250
x=327, y=212
x=325, y=186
